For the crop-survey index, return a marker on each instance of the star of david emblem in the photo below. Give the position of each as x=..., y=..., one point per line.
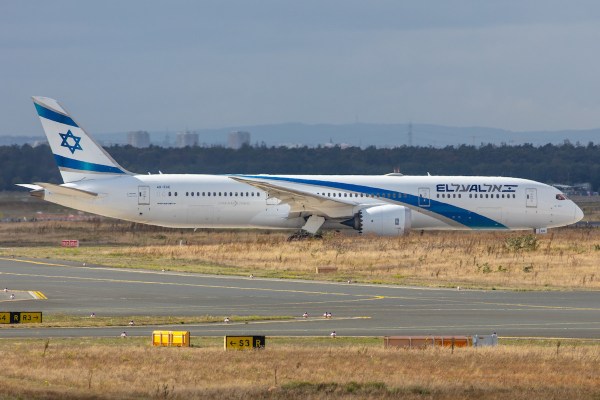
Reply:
x=65, y=141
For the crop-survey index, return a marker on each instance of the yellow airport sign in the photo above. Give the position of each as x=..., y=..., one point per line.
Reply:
x=244, y=342
x=20, y=317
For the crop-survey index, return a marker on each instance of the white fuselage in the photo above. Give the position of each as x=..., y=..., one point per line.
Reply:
x=217, y=201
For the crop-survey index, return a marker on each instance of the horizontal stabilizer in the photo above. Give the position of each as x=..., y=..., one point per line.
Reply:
x=63, y=190
x=29, y=186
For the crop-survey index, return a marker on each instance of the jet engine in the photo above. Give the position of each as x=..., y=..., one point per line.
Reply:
x=387, y=220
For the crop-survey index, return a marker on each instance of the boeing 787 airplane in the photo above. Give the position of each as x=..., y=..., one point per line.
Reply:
x=386, y=205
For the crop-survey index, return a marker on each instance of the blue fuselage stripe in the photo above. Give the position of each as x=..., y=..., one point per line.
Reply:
x=54, y=116
x=460, y=215
x=65, y=162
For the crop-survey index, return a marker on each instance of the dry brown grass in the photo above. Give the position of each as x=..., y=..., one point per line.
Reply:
x=135, y=370
x=564, y=258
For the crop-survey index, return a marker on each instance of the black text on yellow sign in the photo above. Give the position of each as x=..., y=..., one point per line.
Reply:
x=20, y=317
x=244, y=342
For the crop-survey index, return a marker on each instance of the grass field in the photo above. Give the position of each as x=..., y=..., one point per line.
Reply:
x=72, y=321
x=294, y=369
x=562, y=259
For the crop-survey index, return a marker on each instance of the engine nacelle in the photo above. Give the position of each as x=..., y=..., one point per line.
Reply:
x=387, y=220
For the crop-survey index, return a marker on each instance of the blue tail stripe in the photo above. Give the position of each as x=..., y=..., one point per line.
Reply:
x=66, y=162
x=463, y=216
x=54, y=116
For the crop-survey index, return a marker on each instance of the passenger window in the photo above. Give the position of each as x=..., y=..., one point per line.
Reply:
x=169, y=193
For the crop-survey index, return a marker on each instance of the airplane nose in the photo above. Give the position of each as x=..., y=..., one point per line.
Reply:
x=578, y=214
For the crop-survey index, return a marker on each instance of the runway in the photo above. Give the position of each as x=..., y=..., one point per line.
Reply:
x=358, y=310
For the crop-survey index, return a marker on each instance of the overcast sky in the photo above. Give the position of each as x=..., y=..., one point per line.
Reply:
x=129, y=65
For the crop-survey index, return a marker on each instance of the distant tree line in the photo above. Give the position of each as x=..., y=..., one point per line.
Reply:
x=566, y=163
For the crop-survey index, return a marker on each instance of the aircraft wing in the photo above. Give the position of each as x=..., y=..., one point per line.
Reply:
x=302, y=201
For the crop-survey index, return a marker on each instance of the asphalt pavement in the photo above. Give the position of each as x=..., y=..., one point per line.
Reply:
x=357, y=309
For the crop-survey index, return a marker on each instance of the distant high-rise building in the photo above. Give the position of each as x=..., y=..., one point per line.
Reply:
x=187, y=139
x=138, y=139
x=237, y=139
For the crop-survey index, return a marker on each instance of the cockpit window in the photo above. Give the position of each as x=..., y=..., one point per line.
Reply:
x=561, y=196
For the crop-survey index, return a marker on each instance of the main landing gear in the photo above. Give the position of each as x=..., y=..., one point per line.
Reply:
x=310, y=229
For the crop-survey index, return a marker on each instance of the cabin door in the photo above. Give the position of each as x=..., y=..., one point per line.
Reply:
x=531, y=197
x=144, y=202
x=143, y=195
x=424, y=197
